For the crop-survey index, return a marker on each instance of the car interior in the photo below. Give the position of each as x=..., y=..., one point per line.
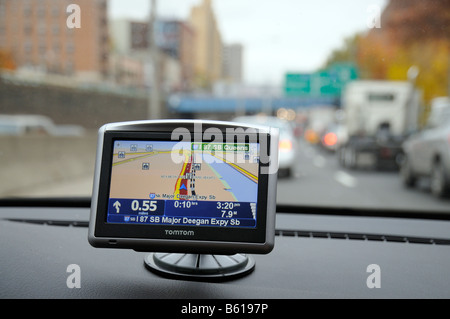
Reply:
x=224, y=156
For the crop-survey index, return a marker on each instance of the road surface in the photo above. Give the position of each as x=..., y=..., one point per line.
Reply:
x=319, y=180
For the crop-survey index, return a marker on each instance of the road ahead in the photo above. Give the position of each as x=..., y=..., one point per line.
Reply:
x=319, y=180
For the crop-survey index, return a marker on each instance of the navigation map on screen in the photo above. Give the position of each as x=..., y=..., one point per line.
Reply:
x=184, y=183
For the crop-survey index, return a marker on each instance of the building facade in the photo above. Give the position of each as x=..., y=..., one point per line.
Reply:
x=53, y=36
x=208, y=44
x=233, y=63
x=177, y=39
x=175, y=42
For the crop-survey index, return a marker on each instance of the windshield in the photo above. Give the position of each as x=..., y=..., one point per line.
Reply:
x=358, y=89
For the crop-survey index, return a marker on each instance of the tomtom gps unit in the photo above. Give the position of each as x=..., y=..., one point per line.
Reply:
x=202, y=187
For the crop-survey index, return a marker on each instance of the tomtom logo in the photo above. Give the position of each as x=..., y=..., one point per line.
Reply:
x=180, y=232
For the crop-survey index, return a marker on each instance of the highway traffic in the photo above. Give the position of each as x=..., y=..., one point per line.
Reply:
x=319, y=180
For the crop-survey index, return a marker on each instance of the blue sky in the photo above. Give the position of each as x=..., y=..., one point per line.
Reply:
x=278, y=35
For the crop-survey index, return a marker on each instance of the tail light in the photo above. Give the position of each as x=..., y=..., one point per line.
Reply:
x=285, y=145
x=311, y=136
x=330, y=139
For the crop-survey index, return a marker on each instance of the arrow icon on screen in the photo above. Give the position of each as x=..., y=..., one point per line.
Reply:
x=117, y=206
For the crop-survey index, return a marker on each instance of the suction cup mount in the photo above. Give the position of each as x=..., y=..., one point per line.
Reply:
x=199, y=267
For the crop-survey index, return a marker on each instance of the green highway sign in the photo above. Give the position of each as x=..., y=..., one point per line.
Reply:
x=298, y=84
x=329, y=82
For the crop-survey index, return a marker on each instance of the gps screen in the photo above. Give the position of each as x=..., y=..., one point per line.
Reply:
x=184, y=184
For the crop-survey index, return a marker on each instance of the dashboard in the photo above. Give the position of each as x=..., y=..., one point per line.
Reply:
x=315, y=256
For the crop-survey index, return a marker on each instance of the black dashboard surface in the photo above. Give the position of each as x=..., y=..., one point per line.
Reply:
x=315, y=256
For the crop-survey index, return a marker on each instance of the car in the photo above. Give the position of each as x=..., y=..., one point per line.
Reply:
x=319, y=118
x=427, y=153
x=26, y=124
x=288, y=146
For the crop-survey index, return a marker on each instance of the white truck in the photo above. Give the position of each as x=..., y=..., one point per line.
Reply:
x=379, y=115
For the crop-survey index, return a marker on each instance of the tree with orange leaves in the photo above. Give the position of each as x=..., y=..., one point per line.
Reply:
x=413, y=32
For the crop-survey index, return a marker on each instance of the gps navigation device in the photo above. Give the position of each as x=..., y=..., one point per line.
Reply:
x=201, y=187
